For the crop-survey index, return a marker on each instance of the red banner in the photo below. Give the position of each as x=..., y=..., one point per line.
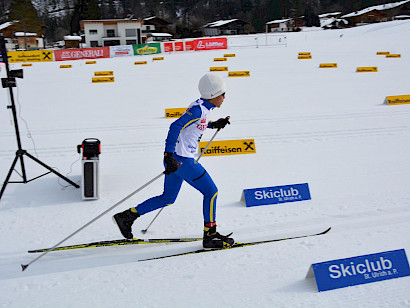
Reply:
x=84, y=53
x=168, y=47
x=212, y=43
x=189, y=45
x=179, y=46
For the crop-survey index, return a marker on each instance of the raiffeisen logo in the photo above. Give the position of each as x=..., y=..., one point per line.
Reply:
x=369, y=269
x=146, y=50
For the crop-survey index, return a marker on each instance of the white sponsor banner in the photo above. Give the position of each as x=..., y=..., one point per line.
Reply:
x=121, y=51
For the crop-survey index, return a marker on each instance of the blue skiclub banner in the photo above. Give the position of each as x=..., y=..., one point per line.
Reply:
x=360, y=270
x=277, y=194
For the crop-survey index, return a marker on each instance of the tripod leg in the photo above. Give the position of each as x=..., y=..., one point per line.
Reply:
x=9, y=175
x=52, y=170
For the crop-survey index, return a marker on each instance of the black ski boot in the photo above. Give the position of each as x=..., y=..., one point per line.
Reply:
x=213, y=240
x=124, y=221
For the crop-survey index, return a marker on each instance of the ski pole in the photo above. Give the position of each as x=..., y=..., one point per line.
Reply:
x=24, y=266
x=202, y=153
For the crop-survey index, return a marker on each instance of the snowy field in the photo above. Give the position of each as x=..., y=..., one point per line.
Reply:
x=327, y=127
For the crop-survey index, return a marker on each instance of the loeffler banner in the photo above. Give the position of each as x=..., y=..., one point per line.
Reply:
x=83, y=53
x=211, y=43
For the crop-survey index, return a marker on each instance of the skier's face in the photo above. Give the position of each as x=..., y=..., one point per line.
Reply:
x=217, y=101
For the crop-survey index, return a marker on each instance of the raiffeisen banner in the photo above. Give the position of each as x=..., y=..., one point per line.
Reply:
x=211, y=43
x=83, y=53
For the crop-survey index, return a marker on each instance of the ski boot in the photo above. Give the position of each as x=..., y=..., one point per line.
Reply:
x=124, y=221
x=214, y=240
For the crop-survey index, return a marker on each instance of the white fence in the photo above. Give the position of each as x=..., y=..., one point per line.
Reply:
x=260, y=40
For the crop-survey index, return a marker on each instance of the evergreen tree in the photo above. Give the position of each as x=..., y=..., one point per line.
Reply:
x=24, y=12
x=84, y=10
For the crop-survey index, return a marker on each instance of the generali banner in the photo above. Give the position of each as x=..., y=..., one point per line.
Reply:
x=211, y=43
x=83, y=53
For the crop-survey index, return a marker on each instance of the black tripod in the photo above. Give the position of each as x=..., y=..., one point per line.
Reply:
x=10, y=82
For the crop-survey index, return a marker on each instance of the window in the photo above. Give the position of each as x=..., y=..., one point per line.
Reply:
x=93, y=31
x=131, y=42
x=130, y=32
x=111, y=33
x=94, y=43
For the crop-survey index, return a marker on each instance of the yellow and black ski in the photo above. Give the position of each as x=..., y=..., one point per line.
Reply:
x=237, y=245
x=120, y=243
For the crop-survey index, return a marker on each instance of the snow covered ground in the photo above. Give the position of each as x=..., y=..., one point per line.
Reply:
x=325, y=127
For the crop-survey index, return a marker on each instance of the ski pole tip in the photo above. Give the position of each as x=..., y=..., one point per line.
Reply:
x=23, y=267
x=144, y=231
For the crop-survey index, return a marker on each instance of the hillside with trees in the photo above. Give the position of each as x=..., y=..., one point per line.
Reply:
x=61, y=17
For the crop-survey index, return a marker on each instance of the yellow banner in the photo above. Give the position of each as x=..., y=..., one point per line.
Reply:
x=229, y=55
x=219, y=59
x=91, y=62
x=367, y=69
x=393, y=55
x=65, y=66
x=383, y=53
x=140, y=62
x=31, y=56
x=174, y=112
x=218, y=69
x=228, y=147
x=104, y=73
x=102, y=79
x=304, y=54
x=157, y=58
x=27, y=64
x=239, y=74
x=327, y=65
x=398, y=100
x=304, y=57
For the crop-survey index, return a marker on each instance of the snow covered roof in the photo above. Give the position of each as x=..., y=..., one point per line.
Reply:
x=19, y=34
x=277, y=21
x=160, y=34
x=328, y=15
x=72, y=38
x=380, y=7
x=220, y=23
x=7, y=24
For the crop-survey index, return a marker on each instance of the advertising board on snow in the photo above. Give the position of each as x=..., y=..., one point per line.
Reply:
x=30, y=56
x=359, y=270
x=211, y=43
x=83, y=53
x=276, y=195
x=121, y=51
x=146, y=49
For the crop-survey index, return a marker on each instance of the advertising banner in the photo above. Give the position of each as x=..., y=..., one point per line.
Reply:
x=83, y=53
x=31, y=56
x=228, y=147
x=398, y=100
x=189, y=45
x=179, y=46
x=174, y=112
x=168, y=47
x=121, y=51
x=360, y=270
x=276, y=195
x=147, y=49
x=211, y=43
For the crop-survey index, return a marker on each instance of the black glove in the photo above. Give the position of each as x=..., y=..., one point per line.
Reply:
x=219, y=124
x=170, y=163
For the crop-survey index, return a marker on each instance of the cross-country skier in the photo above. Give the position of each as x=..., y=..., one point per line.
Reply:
x=180, y=148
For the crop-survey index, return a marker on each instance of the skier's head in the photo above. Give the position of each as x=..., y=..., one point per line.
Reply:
x=211, y=86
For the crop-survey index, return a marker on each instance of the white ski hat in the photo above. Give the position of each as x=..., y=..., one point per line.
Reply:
x=211, y=85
